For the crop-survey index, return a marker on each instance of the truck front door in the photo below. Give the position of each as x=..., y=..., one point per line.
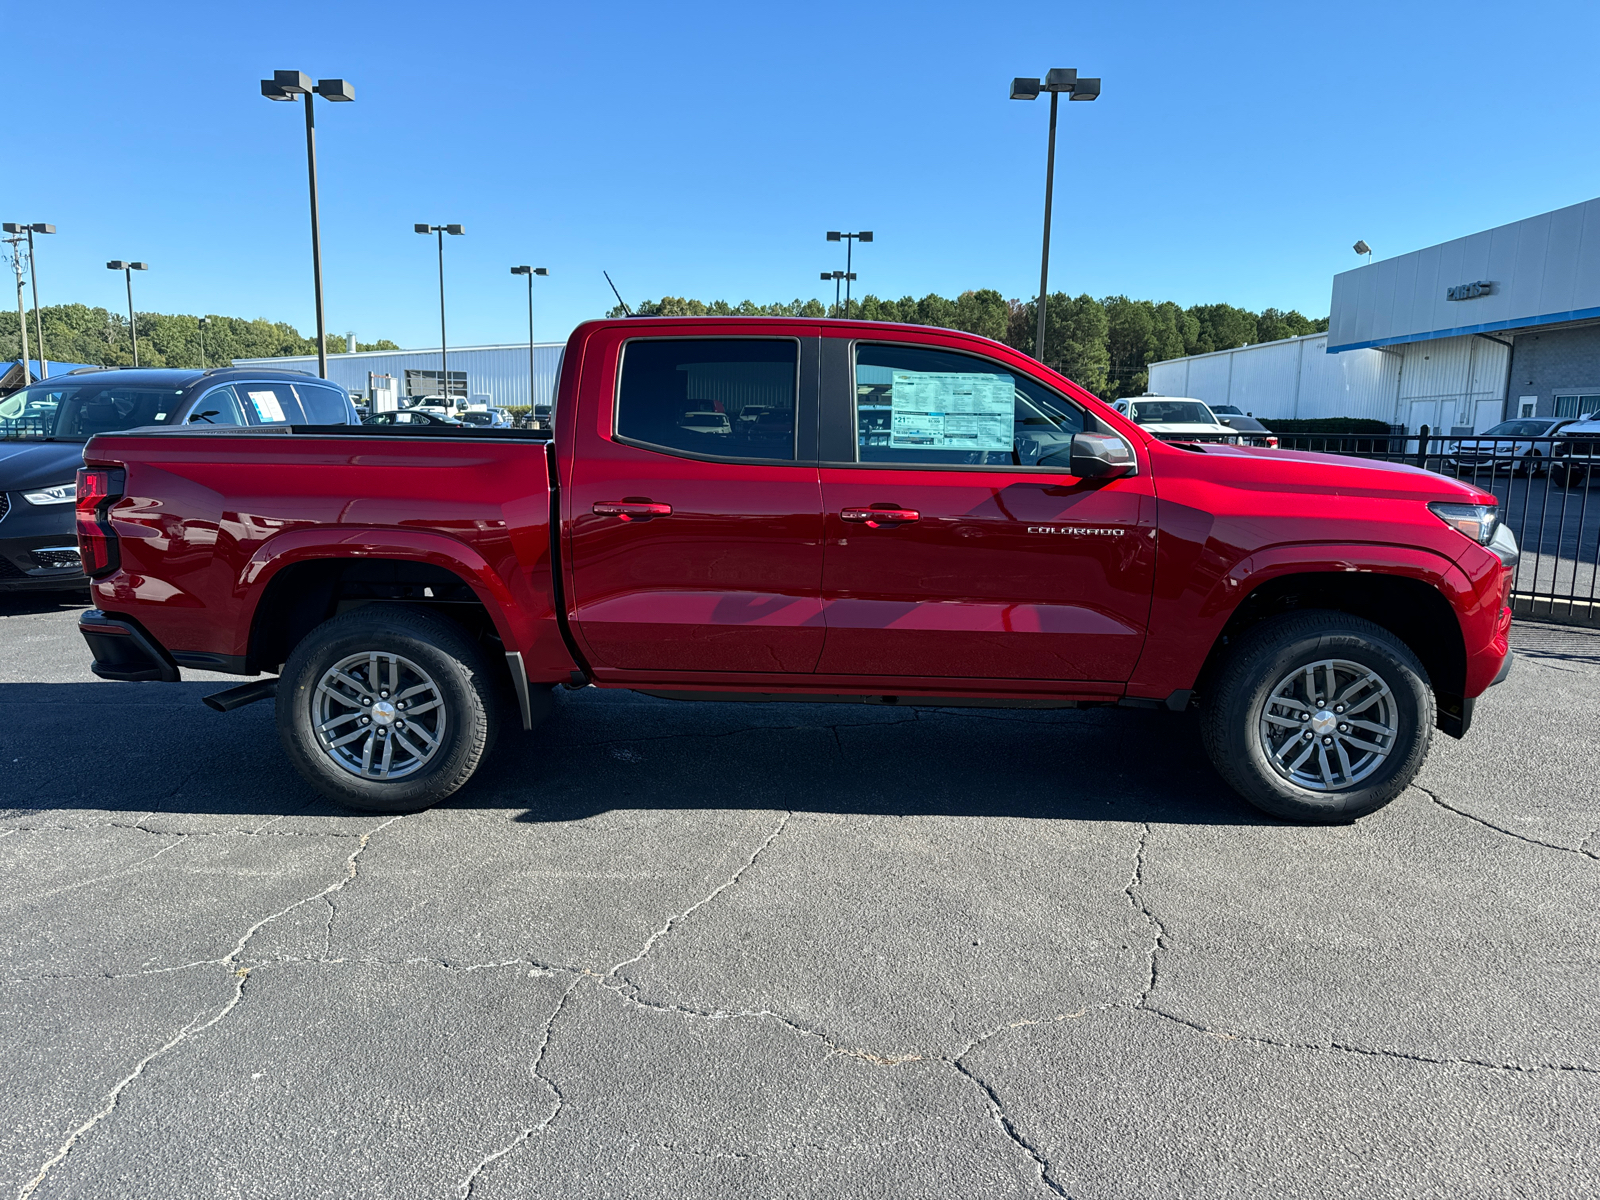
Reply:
x=694, y=511
x=956, y=546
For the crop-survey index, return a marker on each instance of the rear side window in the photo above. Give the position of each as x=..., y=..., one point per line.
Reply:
x=270, y=404
x=920, y=406
x=323, y=405
x=731, y=398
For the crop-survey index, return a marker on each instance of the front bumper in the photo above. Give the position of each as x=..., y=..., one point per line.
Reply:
x=38, y=546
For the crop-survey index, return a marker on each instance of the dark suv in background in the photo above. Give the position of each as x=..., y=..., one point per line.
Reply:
x=43, y=428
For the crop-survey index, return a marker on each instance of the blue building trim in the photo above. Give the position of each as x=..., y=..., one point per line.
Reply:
x=1580, y=314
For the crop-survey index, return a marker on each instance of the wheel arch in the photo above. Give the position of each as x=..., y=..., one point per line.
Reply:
x=1415, y=608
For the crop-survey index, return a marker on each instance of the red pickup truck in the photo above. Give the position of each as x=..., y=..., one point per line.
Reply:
x=759, y=509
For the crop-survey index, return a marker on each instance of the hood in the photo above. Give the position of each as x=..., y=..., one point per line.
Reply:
x=1335, y=474
x=1185, y=427
x=25, y=465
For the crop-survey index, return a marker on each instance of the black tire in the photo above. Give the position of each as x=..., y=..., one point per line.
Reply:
x=1236, y=711
x=461, y=694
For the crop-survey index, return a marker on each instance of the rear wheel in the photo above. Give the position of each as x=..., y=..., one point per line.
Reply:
x=387, y=708
x=1319, y=716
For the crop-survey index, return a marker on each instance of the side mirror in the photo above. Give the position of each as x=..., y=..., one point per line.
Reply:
x=1102, y=456
x=1228, y=421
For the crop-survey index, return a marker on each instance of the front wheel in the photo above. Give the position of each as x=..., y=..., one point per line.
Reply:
x=1319, y=716
x=386, y=708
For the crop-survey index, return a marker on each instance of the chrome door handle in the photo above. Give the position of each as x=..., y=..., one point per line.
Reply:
x=874, y=518
x=631, y=510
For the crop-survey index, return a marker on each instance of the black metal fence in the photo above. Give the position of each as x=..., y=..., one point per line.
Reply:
x=1549, y=493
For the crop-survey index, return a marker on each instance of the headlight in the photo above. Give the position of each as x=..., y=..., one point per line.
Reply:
x=1476, y=521
x=62, y=493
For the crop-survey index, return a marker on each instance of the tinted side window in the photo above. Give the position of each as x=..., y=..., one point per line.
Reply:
x=271, y=404
x=323, y=405
x=918, y=405
x=732, y=399
x=219, y=406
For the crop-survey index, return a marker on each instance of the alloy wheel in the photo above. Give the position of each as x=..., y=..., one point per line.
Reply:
x=378, y=715
x=1328, y=724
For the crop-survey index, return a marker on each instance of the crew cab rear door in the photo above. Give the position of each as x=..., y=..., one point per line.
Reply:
x=953, y=550
x=693, y=511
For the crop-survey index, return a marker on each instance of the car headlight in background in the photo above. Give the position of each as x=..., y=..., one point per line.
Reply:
x=1476, y=521
x=62, y=493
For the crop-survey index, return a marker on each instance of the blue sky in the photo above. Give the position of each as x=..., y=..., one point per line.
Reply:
x=1236, y=153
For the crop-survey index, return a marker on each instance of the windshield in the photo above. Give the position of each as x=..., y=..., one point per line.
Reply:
x=75, y=412
x=1170, y=412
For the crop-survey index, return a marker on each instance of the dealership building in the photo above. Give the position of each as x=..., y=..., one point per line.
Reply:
x=495, y=375
x=1457, y=337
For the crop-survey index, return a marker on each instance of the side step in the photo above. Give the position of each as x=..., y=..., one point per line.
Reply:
x=245, y=693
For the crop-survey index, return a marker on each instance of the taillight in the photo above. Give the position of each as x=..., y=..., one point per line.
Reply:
x=98, y=489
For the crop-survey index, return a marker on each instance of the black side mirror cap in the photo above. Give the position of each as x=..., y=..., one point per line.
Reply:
x=1102, y=456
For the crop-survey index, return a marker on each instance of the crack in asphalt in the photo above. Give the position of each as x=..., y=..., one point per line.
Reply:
x=1135, y=893
x=1009, y=1128
x=196, y=1026
x=1581, y=848
x=1367, y=1051
x=467, y=1185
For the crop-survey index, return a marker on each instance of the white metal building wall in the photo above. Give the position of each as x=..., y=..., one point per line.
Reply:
x=1447, y=383
x=500, y=372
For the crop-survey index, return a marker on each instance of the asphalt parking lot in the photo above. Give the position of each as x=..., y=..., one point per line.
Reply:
x=673, y=950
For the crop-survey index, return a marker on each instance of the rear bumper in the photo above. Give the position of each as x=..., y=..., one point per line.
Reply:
x=124, y=651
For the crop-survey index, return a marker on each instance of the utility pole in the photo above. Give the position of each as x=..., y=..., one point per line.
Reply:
x=33, y=282
x=16, y=239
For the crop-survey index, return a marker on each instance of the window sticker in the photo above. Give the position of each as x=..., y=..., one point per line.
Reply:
x=267, y=406
x=939, y=410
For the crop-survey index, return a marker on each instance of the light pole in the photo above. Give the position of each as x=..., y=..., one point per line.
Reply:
x=444, y=358
x=127, y=269
x=202, y=323
x=849, y=240
x=837, y=277
x=1360, y=247
x=33, y=282
x=1056, y=81
x=530, y=272
x=286, y=85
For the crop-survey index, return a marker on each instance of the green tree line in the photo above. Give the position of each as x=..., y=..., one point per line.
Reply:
x=80, y=334
x=1104, y=345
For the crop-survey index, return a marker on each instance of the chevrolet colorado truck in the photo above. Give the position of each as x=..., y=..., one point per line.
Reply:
x=882, y=514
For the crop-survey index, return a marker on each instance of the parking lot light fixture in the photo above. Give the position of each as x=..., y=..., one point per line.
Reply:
x=285, y=86
x=530, y=272
x=850, y=240
x=1056, y=81
x=127, y=269
x=444, y=357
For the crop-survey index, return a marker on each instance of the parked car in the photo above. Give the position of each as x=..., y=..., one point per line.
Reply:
x=1169, y=417
x=1576, y=457
x=1326, y=614
x=43, y=429
x=1255, y=433
x=1508, y=446
x=414, y=418
x=491, y=418
x=705, y=422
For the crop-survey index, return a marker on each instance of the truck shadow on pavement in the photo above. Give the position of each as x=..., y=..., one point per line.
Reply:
x=156, y=748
